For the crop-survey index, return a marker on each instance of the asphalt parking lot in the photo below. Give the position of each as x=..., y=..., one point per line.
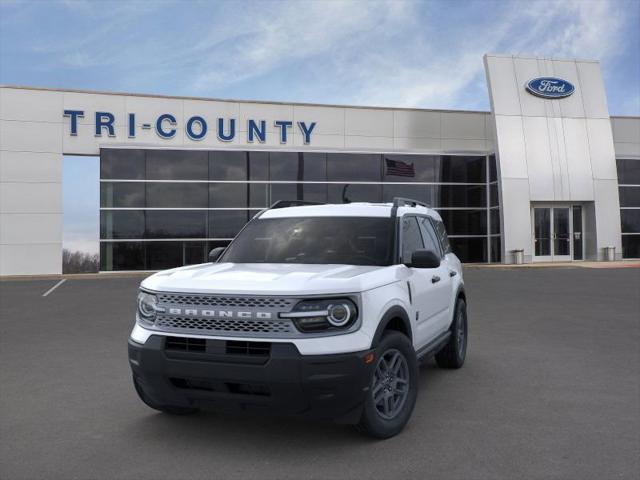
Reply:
x=551, y=389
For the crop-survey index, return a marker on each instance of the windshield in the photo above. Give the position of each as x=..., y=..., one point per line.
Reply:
x=344, y=240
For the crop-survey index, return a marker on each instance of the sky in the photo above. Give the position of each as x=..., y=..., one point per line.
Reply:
x=385, y=53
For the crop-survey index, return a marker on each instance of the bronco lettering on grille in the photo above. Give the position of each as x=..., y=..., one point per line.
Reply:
x=195, y=312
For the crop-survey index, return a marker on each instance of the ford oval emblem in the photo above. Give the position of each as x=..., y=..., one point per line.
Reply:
x=550, y=87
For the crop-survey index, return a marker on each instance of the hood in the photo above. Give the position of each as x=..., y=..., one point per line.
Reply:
x=271, y=278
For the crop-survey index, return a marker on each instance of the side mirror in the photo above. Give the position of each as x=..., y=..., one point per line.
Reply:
x=215, y=254
x=424, y=259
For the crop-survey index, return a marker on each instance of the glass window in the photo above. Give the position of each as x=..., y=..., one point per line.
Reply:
x=496, y=252
x=121, y=224
x=465, y=222
x=228, y=195
x=458, y=196
x=177, y=195
x=176, y=224
x=411, y=238
x=285, y=166
x=226, y=165
x=353, y=192
x=410, y=168
x=177, y=165
x=629, y=196
x=227, y=223
x=429, y=236
x=122, y=256
x=195, y=252
x=630, y=221
x=493, y=169
x=258, y=195
x=326, y=240
x=125, y=164
x=315, y=167
x=122, y=195
x=494, y=217
x=421, y=193
x=631, y=246
x=163, y=255
x=494, y=199
x=470, y=249
x=311, y=192
x=258, y=166
x=355, y=167
x=444, y=238
x=628, y=171
x=462, y=169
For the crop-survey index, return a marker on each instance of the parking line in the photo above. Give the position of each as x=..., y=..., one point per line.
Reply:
x=54, y=287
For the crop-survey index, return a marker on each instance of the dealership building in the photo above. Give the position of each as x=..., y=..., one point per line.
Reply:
x=546, y=175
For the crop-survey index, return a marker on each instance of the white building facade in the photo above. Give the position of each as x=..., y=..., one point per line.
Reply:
x=547, y=174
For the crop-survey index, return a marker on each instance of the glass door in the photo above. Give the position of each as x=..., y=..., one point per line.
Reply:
x=542, y=233
x=557, y=233
x=561, y=234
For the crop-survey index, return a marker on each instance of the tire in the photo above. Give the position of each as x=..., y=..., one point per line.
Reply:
x=454, y=352
x=171, y=410
x=382, y=418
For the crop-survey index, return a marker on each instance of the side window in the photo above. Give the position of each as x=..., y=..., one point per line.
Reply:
x=429, y=235
x=411, y=238
x=442, y=233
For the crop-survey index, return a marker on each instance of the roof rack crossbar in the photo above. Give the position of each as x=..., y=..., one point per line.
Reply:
x=294, y=203
x=401, y=202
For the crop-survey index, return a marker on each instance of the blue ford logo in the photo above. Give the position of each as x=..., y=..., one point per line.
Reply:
x=550, y=87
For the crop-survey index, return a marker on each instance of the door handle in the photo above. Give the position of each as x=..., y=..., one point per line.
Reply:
x=435, y=279
x=452, y=273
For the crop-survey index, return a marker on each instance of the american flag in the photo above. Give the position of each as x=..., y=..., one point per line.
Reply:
x=399, y=168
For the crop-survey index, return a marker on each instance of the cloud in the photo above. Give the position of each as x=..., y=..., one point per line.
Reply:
x=387, y=52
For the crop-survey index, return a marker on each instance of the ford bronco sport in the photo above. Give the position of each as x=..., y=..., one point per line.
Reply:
x=316, y=310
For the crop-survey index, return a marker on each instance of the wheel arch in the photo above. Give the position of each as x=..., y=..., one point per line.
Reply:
x=395, y=318
x=461, y=294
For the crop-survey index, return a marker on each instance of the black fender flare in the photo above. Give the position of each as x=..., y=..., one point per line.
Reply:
x=460, y=293
x=394, y=312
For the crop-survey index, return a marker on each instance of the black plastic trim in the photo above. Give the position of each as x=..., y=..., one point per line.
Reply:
x=434, y=346
x=394, y=312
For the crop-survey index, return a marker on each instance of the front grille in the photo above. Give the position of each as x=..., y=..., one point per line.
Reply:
x=226, y=326
x=223, y=301
x=248, y=348
x=185, y=344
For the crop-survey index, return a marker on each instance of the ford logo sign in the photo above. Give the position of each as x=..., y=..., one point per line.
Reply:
x=550, y=87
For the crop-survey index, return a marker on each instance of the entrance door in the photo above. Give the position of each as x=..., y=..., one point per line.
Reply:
x=542, y=233
x=561, y=234
x=557, y=233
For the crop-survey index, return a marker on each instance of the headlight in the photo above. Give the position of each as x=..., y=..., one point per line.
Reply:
x=319, y=315
x=147, y=306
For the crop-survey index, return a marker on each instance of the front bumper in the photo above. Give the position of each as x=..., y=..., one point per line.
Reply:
x=281, y=381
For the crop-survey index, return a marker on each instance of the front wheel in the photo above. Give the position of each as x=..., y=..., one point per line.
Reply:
x=393, y=388
x=454, y=352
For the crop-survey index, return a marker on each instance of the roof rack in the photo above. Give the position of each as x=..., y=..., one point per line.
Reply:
x=294, y=203
x=404, y=202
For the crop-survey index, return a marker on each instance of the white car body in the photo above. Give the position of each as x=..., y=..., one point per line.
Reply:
x=429, y=304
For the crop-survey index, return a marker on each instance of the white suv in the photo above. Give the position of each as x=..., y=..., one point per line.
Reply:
x=316, y=310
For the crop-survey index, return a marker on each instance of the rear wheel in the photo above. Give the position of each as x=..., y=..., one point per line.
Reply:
x=172, y=410
x=454, y=352
x=393, y=388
